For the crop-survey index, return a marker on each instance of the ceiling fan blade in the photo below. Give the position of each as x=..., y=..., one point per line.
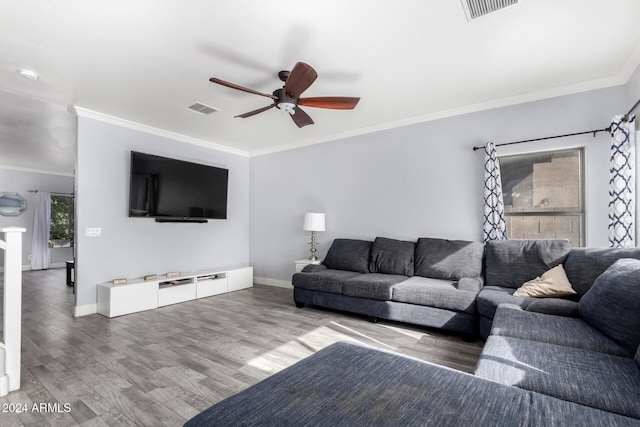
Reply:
x=333, y=102
x=254, y=112
x=238, y=87
x=301, y=118
x=299, y=80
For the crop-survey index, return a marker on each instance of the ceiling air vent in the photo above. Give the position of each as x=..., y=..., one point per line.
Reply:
x=477, y=8
x=202, y=109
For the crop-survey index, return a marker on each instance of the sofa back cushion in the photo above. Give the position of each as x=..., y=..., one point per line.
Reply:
x=611, y=305
x=349, y=255
x=390, y=256
x=637, y=358
x=448, y=259
x=510, y=263
x=584, y=265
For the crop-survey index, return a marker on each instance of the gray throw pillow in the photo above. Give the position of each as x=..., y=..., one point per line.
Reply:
x=390, y=256
x=584, y=265
x=448, y=259
x=612, y=305
x=510, y=263
x=349, y=255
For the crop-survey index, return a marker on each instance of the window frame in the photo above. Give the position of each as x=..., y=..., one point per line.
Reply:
x=70, y=223
x=581, y=211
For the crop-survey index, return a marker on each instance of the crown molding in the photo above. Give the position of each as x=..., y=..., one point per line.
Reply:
x=118, y=121
x=32, y=170
x=603, y=83
x=474, y=108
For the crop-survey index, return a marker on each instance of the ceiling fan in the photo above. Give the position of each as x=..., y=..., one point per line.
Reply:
x=288, y=98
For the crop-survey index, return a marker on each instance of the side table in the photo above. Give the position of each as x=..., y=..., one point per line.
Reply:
x=300, y=264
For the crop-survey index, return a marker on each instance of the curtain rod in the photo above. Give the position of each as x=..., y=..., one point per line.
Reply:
x=53, y=193
x=594, y=132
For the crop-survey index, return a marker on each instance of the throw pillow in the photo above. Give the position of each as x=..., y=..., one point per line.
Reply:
x=448, y=259
x=390, y=256
x=349, y=255
x=510, y=263
x=611, y=305
x=553, y=283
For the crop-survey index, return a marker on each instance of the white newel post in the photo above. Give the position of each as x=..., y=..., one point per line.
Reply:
x=12, y=331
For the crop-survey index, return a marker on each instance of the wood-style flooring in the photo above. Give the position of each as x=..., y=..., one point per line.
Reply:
x=161, y=367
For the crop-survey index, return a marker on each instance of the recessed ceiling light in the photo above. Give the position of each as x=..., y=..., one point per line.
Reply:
x=28, y=74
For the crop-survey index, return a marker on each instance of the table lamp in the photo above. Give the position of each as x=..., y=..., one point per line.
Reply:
x=313, y=222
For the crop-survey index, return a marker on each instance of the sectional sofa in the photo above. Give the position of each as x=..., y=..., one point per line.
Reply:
x=572, y=361
x=449, y=284
x=430, y=282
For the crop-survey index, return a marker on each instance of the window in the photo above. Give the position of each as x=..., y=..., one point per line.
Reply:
x=61, y=233
x=544, y=195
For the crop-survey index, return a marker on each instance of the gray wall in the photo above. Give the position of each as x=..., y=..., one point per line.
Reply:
x=418, y=180
x=19, y=182
x=133, y=247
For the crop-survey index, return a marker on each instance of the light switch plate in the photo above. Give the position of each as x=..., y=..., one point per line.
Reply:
x=93, y=231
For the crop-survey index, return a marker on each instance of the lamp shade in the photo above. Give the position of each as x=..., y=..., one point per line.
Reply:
x=313, y=221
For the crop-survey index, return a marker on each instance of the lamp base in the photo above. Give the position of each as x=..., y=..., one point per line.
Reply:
x=312, y=247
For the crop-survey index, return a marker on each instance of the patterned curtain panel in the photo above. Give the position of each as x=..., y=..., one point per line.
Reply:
x=621, y=183
x=494, y=227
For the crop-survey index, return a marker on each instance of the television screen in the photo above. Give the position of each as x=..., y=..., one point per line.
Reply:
x=171, y=189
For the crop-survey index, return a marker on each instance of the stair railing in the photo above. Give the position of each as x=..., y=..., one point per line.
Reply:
x=12, y=314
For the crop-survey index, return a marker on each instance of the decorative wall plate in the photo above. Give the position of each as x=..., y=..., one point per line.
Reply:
x=12, y=204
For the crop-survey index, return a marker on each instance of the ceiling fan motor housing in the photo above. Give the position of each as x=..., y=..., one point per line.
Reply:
x=285, y=102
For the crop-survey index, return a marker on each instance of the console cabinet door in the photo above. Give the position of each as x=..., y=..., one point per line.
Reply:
x=241, y=278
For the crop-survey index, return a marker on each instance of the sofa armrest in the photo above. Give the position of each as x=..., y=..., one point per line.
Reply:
x=470, y=284
x=555, y=306
x=312, y=268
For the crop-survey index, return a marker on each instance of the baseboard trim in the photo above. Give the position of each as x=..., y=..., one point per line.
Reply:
x=85, y=310
x=272, y=282
x=27, y=267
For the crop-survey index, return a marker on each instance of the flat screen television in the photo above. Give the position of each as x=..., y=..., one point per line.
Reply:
x=172, y=190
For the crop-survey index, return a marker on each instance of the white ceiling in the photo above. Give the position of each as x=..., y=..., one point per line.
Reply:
x=147, y=60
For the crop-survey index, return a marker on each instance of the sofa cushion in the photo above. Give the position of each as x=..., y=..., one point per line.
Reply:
x=325, y=280
x=349, y=254
x=490, y=297
x=372, y=285
x=584, y=265
x=552, y=283
x=390, y=256
x=435, y=293
x=512, y=321
x=510, y=263
x=555, y=306
x=637, y=358
x=348, y=384
x=612, y=305
x=598, y=380
x=448, y=259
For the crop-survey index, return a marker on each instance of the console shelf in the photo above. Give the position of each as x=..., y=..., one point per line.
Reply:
x=140, y=295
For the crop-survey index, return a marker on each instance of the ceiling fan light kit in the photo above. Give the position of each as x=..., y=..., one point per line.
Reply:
x=287, y=99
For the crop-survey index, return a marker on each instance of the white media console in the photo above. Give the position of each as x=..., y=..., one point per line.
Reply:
x=139, y=295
